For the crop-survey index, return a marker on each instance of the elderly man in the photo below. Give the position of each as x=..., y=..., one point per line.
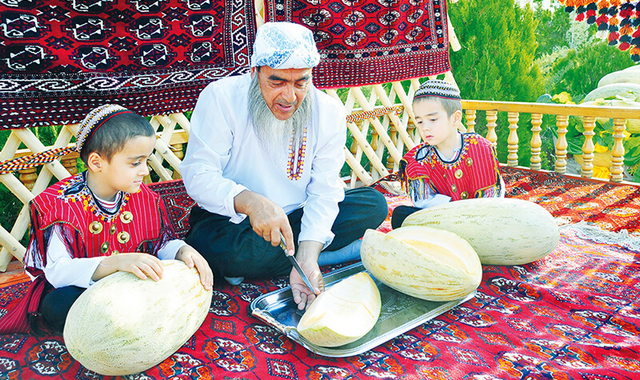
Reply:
x=263, y=159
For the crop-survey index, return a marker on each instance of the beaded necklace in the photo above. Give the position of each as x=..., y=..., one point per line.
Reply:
x=76, y=190
x=295, y=162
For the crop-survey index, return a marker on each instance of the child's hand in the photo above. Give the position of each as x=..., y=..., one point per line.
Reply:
x=140, y=264
x=192, y=257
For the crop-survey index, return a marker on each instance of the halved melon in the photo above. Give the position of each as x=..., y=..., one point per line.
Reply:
x=342, y=314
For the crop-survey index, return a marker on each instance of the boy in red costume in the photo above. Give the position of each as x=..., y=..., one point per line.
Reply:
x=101, y=221
x=447, y=165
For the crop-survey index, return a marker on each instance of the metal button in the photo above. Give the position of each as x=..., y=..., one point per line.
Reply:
x=126, y=217
x=123, y=237
x=458, y=173
x=95, y=227
x=464, y=195
x=104, y=248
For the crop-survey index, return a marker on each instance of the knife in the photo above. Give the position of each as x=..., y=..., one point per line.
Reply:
x=295, y=263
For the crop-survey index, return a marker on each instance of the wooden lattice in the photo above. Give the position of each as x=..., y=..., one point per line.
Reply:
x=377, y=142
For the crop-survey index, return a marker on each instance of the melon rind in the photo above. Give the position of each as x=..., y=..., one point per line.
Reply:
x=343, y=313
x=503, y=231
x=417, y=272
x=626, y=90
x=629, y=75
x=124, y=325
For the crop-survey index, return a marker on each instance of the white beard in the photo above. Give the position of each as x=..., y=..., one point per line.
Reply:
x=275, y=135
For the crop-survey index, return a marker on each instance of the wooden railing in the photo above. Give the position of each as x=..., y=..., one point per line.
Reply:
x=375, y=144
x=562, y=112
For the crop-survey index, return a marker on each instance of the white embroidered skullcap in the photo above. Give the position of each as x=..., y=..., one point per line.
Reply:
x=94, y=120
x=437, y=88
x=284, y=45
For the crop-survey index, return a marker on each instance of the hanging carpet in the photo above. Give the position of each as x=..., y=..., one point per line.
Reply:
x=59, y=59
x=365, y=42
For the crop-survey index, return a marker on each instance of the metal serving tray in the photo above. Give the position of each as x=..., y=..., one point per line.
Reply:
x=400, y=313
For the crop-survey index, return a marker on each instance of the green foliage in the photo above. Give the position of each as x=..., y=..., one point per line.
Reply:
x=580, y=70
x=496, y=62
x=498, y=48
x=551, y=33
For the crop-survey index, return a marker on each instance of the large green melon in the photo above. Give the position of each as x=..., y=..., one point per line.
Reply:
x=123, y=325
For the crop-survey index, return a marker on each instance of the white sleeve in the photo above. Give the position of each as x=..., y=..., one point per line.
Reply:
x=208, y=152
x=63, y=269
x=325, y=191
x=502, y=188
x=170, y=250
x=434, y=200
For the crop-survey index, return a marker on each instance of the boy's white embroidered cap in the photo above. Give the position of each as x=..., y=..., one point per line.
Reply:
x=94, y=119
x=438, y=88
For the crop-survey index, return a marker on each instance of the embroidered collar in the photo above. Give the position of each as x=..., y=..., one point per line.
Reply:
x=77, y=190
x=423, y=153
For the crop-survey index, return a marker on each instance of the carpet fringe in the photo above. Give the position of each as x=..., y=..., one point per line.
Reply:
x=596, y=234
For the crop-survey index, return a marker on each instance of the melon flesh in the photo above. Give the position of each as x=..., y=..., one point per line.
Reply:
x=124, y=325
x=342, y=314
x=422, y=262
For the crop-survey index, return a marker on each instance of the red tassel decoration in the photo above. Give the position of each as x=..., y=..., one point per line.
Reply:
x=619, y=19
x=613, y=38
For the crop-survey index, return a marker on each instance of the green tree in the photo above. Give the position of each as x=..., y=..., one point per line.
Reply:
x=580, y=70
x=551, y=32
x=496, y=61
x=498, y=48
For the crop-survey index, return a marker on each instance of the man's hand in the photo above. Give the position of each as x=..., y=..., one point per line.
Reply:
x=267, y=218
x=192, y=258
x=307, y=256
x=140, y=264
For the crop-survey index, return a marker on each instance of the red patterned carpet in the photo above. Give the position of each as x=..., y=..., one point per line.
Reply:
x=571, y=315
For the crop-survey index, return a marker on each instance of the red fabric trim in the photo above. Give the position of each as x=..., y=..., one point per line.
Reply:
x=16, y=320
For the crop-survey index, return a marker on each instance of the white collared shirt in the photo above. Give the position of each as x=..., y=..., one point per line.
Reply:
x=224, y=157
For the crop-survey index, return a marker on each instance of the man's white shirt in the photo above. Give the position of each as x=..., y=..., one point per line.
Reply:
x=224, y=157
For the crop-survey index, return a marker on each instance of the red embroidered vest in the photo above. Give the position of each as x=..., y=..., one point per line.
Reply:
x=474, y=173
x=139, y=225
x=136, y=226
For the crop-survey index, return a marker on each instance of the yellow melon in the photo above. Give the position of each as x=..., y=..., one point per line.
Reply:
x=422, y=262
x=503, y=231
x=342, y=314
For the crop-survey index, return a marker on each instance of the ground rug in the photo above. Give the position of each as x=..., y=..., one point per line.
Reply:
x=571, y=315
